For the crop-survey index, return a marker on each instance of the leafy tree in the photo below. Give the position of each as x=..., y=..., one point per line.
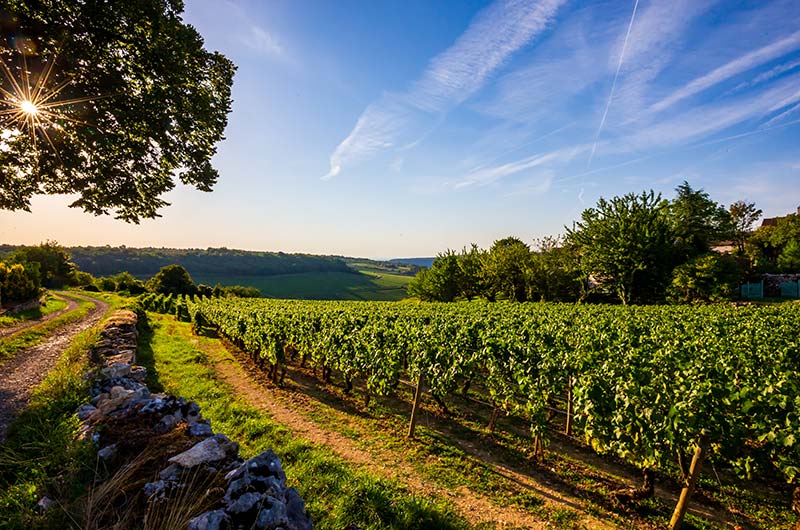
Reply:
x=743, y=216
x=697, y=221
x=17, y=284
x=151, y=104
x=555, y=274
x=507, y=264
x=626, y=244
x=440, y=283
x=172, y=279
x=789, y=258
x=55, y=266
x=80, y=279
x=773, y=248
x=104, y=283
x=711, y=277
x=473, y=281
x=125, y=281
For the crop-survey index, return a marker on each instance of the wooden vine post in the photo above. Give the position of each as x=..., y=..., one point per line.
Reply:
x=415, y=408
x=568, y=427
x=691, y=482
x=493, y=419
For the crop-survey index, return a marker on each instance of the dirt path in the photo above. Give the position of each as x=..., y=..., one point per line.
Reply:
x=23, y=372
x=474, y=507
x=10, y=330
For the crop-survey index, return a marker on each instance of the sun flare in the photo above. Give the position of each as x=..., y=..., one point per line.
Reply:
x=29, y=107
x=32, y=105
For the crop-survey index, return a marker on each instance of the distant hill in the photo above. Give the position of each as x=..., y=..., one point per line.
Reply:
x=145, y=262
x=419, y=262
x=275, y=274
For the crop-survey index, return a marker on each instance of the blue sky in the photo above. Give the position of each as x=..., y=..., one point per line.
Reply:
x=401, y=128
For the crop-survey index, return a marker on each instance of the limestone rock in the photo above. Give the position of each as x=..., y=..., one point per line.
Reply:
x=212, y=449
x=216, y=520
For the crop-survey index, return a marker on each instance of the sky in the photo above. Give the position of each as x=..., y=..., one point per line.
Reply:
x=402, y=128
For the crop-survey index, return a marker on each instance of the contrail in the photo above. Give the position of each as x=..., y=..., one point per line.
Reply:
x=614, y=84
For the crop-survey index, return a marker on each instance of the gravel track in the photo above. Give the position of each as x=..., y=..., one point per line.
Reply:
x=10, y=330
x=28, y=368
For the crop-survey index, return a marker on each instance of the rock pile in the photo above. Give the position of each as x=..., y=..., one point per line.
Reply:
x=173, y=445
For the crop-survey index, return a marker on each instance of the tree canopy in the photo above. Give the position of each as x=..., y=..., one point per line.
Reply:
x=172, y=279
x=144, y=104
x=626, y=243
x=52, y=261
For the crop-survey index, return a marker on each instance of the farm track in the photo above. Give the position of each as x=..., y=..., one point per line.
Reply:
x=285, y=406
x=10, y=330
x=22, y=373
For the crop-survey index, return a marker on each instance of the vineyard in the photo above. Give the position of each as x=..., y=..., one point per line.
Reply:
x=644, y=383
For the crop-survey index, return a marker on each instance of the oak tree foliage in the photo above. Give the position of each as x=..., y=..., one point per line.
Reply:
x=157, y=104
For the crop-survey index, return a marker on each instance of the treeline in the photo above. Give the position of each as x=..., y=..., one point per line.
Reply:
x=633, y=249
x=26, y=270
x=170, y=280
x=145, y=262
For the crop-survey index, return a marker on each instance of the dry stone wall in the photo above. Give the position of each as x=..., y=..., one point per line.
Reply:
x=169, y=440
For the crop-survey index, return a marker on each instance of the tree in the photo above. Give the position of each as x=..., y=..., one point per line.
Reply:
x=172, y=279
x=148, y=104
x=697, y=221
x=440, y=283
x=17, y=284
x=710, y=277
x=774, y=248
x=507, y=264
x=789, y=258
x=473, y=276
x=125, y=281
x=555, y=274
x=55, y=267
x=743, y=216
x=626, y=244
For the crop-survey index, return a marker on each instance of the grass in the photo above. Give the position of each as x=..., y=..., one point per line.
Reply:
x=366, y=285
x=34, y=335
x=51, y=305
x=336, y=494
x=42, y=454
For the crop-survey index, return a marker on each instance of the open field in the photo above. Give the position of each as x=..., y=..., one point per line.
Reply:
x=320, y=285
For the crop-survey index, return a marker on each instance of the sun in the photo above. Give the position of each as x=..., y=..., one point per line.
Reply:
x=29, y=107
x=33, y=105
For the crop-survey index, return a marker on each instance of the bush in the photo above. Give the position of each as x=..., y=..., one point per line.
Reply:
x=707, y=278
x=17, y=284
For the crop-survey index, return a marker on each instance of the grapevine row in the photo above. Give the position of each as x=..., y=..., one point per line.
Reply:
x=644, y=382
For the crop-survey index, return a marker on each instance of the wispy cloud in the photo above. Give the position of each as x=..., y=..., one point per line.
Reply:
x=486, y=175
x=537, y=184
x=450, y=78
x=781, y=116
x=766, y=76
x=704, y=120
x=261, y=41
x=730, y=69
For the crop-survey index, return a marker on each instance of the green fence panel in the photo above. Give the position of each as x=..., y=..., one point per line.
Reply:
x=790, y=289
x=753, y=290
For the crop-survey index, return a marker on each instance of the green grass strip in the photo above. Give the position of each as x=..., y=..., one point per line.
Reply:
x=26, y=338
x=42, y=455
x=52, y=304
x=336, y=494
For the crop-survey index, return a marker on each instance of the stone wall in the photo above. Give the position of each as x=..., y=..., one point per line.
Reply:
x=165, y=438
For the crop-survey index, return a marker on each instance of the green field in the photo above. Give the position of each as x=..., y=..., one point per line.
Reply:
x=364, y=285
